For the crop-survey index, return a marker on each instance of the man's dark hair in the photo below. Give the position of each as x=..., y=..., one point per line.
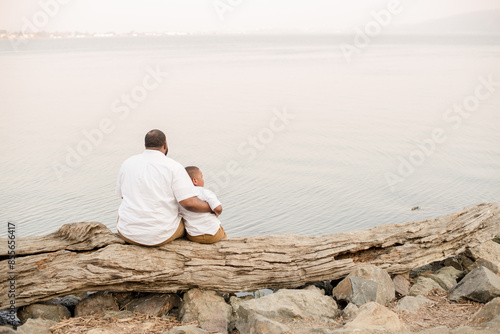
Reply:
x=154, y=138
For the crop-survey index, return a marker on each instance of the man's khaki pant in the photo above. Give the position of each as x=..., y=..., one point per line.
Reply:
x=180, y=232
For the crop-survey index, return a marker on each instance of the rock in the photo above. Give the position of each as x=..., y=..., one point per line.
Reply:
x=109, y=314
x=385, y=290
x=350, y=311
x=355, y=290
x=50, y=312
x=269, y=313
x=480, y=285
x=206, y=307
x=254, y=323
x=401, y=285
x=374, y=316
x=191, y=329
x=36, y=326
x=9, y=317
x=411, y=303
x=7, y=330
x=94, y=304
x=423, y=286
x=68, y=301
x=446, y=277
x=460, y=262
x=489, y=311
x=486, y=254
x=486, y=264
x=428, y=268
x=497, y=238
x=154, y=304
x=326, y=286
x=495, y=323
x=292, y=304
x=124, y=298
x=235, y=305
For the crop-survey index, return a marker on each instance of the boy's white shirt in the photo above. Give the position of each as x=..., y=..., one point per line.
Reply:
x=199, y=223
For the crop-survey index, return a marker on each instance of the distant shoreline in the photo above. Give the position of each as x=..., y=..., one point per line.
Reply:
x=4, y=35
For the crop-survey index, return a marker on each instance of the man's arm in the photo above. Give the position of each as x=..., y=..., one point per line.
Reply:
x=195, y=204
x=217, y=211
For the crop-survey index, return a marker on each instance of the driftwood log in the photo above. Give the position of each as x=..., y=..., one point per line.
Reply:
x=89, y=257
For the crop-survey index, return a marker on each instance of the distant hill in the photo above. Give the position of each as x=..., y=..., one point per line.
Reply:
x=481, y=22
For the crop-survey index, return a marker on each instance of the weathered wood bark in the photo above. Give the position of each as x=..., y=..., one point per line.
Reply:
x=88, y=257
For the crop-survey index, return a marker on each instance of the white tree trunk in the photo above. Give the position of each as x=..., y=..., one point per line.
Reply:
x=89, y=257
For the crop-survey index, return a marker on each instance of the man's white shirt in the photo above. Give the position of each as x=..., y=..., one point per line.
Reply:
x=151, y=185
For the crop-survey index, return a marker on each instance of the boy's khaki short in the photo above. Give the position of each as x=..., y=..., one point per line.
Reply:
x=207, y=238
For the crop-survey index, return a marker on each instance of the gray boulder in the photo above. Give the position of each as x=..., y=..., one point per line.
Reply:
x=94, y=304
x=385, y=287
x=293, y=304
x=254, y=323
x=36, y=326
x=480, y=285
x=373, y=316
x=7, y=330
x=460, y=262
x=494, y=324
x=154, y=304
x=401, y=285
x=68, y=301
x=423, y=286
x=235, y=305
x=489, y=312
x=356, y=290
x=50, y=312
x=446, y=277
x=350, y=311
x=412, y=304
x=267, y=314
x=487, y=254
x=191, y=329
x=208, y=308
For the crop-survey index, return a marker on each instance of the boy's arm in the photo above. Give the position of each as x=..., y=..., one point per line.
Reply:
x=212, y=200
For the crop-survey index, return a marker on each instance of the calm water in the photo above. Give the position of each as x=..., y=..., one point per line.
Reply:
x=323, y=171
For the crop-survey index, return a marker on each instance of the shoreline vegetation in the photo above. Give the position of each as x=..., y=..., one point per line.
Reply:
x=434, y=276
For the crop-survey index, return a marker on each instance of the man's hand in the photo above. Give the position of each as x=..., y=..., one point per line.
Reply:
x=217, y=211
x=195, y=204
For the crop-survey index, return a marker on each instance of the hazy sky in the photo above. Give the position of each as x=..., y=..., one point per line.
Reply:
x=231, y=15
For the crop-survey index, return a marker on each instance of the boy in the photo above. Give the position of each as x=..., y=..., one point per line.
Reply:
x=204, y=227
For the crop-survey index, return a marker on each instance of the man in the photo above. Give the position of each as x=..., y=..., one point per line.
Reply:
x=151, y=186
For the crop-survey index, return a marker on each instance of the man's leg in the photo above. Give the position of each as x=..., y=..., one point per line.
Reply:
x=207, y=238
x=179, y=233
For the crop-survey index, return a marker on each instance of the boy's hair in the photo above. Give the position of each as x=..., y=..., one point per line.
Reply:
x=192, y=171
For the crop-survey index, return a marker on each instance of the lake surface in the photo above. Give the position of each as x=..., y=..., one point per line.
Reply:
x=291, y=136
